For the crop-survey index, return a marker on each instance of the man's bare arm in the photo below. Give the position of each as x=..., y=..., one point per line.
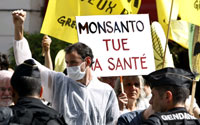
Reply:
x=46, y=42
x=19, y=17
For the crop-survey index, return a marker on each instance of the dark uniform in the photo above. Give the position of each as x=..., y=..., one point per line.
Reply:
x=180, y=80
x=131, y=118
x=175, y=116
x=30, y=111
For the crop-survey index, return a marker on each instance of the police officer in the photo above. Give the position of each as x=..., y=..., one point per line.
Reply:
x=170, y=88
x=27, y=92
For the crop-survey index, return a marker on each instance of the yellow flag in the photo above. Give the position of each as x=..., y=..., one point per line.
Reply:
x=190, y=11
x=163, y=10
x=194, y=49
x=59, y=20
x=179, y=29
x=159, y=41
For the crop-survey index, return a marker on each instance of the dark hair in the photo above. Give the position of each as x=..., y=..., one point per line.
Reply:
x=146, y=83
x=26, y=86
x=4, y=64
x=82, y=49
x=26, y=79
x=180, y=94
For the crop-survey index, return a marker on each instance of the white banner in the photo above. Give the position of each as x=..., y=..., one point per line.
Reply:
x=121, y=44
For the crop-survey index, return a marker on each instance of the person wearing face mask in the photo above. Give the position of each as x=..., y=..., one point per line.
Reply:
x=79, y=96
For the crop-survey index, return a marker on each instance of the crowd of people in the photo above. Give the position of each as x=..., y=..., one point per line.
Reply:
x=36, y=94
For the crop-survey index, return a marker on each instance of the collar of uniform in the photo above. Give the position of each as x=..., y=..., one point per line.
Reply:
x=177, y=109
x=28, y=100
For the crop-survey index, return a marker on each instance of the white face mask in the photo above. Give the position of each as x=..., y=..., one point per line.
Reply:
x=75, y=73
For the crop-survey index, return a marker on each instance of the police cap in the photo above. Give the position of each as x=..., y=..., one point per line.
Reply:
x=28, y=68
x=170, y=77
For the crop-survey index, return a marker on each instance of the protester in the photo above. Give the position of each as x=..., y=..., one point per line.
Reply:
x=59, y=66
x=5, y=88
x=170, y=88
x=46, y=43
x=133, y=96
x=27, y=91
x=82, y=98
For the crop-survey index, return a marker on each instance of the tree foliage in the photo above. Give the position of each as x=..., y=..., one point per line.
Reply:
x=35, y=43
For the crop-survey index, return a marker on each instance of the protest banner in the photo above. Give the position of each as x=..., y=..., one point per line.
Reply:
x=163, y=10
x=121, y=44
x=59, y=20
x=194, y=49
x=179, y=28
x=194, y=57
x=159, y=42
x=190, y=11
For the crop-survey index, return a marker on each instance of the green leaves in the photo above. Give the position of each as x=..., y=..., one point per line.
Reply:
x=35, y=43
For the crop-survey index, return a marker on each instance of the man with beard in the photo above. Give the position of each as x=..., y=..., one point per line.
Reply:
x=5, y=88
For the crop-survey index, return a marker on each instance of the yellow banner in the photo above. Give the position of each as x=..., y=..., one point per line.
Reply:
x=194, y=45
x=163, y=10
x=159, y=41
x=60, y=22
x=190, y=11
x=179, y=29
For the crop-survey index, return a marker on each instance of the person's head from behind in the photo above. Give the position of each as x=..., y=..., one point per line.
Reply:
x=5, y=88
x=26, y=81
x=170, y=88
x=4, y=64
x=79, y=58
x=133, y=86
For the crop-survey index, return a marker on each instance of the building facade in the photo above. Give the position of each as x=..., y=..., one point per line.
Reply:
x=33, y=21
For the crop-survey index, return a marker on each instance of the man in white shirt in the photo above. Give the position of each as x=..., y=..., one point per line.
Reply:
x=82, y=98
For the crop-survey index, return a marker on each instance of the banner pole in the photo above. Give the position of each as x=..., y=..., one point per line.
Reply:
x=167, y=37
x=121, y=83
x=122, y=89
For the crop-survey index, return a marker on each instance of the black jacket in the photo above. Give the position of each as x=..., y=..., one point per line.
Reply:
x=175, y=116
x=31, y=111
